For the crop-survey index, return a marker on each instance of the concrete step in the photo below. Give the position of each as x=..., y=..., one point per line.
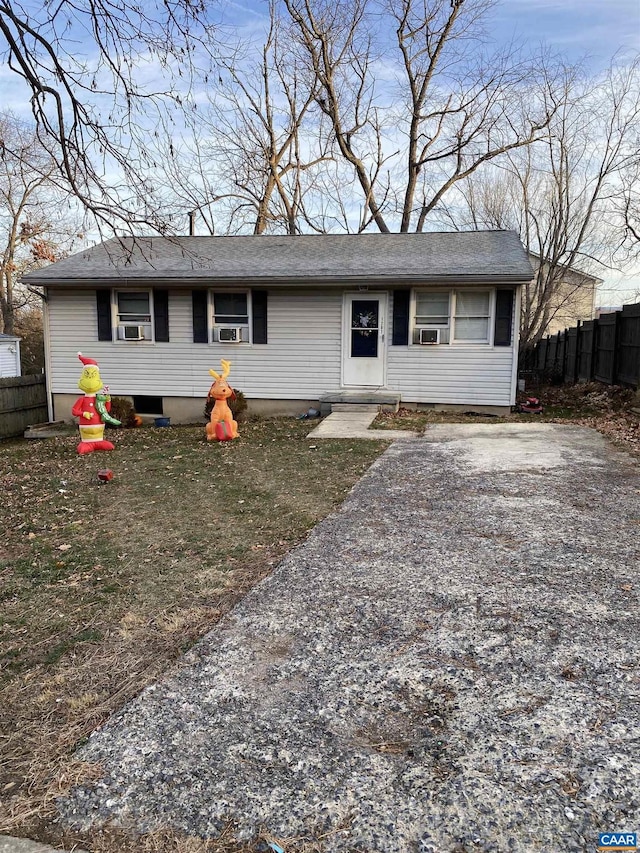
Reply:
x=374, y=400
x=355, y=407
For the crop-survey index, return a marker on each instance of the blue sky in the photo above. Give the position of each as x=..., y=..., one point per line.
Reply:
x=577, y=28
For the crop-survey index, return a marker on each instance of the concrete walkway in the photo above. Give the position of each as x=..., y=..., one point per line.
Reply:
x=449, y=663
x=354, y=422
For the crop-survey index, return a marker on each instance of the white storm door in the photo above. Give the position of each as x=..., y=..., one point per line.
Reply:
x=363, y=339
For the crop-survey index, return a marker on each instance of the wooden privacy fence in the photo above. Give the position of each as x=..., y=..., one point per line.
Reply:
x=23, y=401
x=606, y=349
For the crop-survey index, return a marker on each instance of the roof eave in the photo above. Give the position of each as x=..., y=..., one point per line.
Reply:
x=278, y=281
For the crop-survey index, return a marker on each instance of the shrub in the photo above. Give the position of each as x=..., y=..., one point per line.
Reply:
x=122, y=409
x=238, y=407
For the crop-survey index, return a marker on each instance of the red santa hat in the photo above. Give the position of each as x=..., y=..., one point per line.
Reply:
x=87, y=361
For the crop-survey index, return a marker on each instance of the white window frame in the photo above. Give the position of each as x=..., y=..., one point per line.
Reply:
x=213, y=326
x=491, y=291
x=453, y=292
x=440, y=326
x=115, y=315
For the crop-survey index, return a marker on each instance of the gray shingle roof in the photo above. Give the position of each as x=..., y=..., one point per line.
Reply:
x=325, y=258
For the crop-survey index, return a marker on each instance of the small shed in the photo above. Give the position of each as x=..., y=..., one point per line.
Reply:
x=9, y=356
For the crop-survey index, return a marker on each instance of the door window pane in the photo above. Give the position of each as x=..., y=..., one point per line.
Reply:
x=364, y=328
x=364, y=314
x=364, y=344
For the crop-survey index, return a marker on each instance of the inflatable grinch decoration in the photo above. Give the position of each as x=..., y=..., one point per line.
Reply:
x=221, y=426
x=92, y=409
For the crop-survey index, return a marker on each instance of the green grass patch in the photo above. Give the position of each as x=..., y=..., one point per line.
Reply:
x=60, y=649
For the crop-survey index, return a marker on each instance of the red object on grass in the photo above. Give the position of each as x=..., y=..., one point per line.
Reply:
x=105, y=475
x=223, y=433
x=531, y=406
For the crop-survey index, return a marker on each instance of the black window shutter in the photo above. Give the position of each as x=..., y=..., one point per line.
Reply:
x=103, y=309
x=259, y=309
x=504, y=318
x=401, y=300
x=200, y=319
x=161, y=315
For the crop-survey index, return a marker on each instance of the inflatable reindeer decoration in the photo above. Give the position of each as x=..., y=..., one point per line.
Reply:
x=222, y=426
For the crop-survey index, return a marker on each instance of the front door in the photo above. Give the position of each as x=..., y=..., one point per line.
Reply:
x=364, y=339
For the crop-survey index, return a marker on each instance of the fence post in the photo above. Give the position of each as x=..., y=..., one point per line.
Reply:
x=616, y=344
x=594, y=349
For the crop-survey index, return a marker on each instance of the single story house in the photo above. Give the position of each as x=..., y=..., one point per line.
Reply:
x=424, y=319
x=9, y=356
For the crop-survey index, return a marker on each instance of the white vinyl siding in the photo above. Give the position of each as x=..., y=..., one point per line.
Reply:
x=300, y=361
x=9, y=358
x=458, y=374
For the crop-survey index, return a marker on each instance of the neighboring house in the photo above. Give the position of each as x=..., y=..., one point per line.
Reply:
x=9, y=356
x=573, y=299
x=607, y=309
x=422, y=318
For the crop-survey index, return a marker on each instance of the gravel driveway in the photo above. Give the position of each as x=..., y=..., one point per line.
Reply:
x=450, y=662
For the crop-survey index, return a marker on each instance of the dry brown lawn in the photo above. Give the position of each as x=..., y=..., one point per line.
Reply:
x=104, y=585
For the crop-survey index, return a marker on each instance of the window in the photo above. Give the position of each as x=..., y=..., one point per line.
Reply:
x=134, y=307
x=472, y=315
x=460, y=316
x=138, y=315
x=230, y=316
x=432, y=311
x=134, y=312
x=230, y=309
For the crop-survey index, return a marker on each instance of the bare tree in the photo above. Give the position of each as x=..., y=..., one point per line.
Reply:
x=251, y=159
x=35, y=226
x=627, y=203
x=631, y=208
x=455, y=106
x=83, y=63
x=336, y=48
x=561, y=194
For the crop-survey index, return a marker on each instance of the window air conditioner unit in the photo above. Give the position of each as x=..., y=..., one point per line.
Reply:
x=429, y=336
x=230, y=336
x=131, y=333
